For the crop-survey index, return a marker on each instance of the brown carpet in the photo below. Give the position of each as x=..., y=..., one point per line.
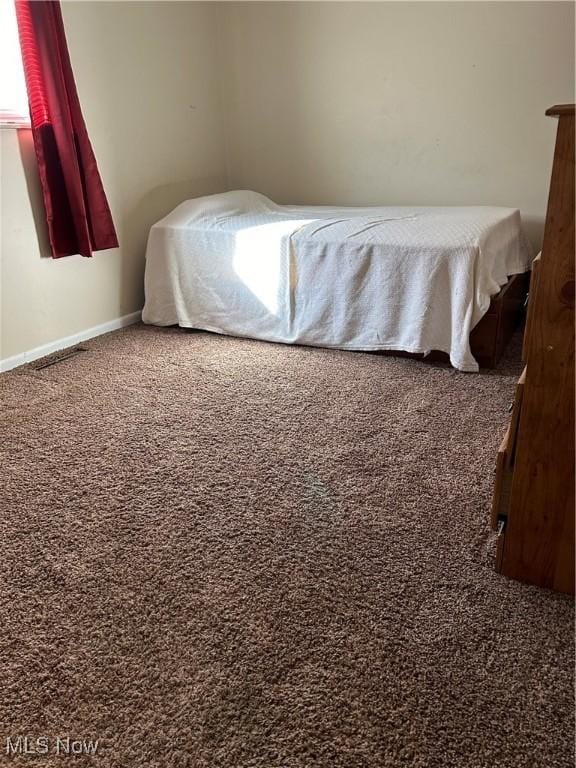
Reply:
x=219, y=552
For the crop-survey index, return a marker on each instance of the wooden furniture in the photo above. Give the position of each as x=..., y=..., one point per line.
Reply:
x=490, y=337
x=533, y=505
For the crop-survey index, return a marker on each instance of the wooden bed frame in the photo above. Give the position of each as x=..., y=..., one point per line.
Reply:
x=491, y=336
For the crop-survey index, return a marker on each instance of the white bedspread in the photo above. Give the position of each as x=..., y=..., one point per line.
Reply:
x=413, y=279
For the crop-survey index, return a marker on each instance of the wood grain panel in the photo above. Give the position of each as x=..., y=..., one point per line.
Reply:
x=530, y=313
x=505, y=460
x=539, y=542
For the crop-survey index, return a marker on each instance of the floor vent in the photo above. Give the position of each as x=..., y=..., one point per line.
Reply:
x=58, y=357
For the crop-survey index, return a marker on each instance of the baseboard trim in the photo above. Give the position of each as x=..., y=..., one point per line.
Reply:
x=68, y=341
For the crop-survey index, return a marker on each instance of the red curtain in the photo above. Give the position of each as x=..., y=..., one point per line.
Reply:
x=78, y=215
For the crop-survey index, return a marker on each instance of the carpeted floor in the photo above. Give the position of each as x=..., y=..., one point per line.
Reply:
x=223, y=553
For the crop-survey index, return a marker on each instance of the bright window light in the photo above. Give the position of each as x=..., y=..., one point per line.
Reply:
x=262, y=260
x=13, y=98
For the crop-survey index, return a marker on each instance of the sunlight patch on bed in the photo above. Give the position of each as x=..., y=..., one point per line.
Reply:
x=261, y=259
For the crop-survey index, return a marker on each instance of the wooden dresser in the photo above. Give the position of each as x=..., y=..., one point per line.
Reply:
x=533, y=504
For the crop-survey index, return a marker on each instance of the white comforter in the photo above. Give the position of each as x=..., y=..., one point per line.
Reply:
x=413, y=279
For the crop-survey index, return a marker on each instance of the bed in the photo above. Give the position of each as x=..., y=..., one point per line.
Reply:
x=412, y=279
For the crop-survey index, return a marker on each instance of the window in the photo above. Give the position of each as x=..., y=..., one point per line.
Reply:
x=13, y=98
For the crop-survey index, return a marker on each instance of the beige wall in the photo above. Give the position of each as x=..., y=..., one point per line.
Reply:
x=148, y=81
x=352, y=103
x=397, y=103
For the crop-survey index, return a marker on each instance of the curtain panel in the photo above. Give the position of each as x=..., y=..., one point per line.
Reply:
x=77, y=212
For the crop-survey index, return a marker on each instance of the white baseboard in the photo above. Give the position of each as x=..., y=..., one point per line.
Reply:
x=68, y=341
